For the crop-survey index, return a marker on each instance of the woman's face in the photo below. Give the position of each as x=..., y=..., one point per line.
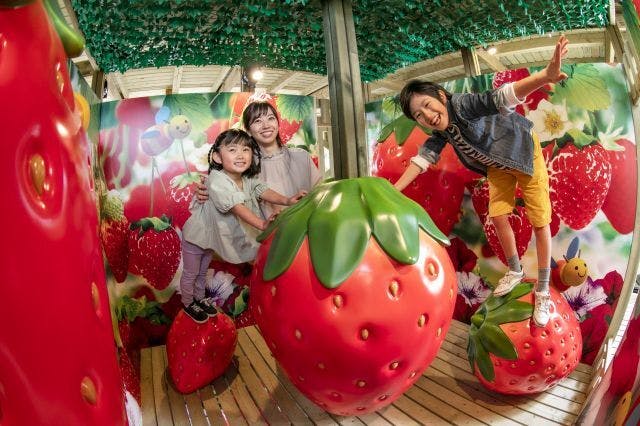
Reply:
x=264, y=129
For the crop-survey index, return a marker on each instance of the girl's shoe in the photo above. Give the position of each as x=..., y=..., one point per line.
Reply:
x=508, y=282
x=196, y=312
x=208, y=306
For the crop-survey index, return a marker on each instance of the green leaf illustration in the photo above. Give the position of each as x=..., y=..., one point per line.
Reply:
x=294, y=108
x=195, y=107
x=583, y=89
x=580, y=139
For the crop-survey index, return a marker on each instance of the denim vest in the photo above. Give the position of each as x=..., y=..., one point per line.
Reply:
x=489, y=127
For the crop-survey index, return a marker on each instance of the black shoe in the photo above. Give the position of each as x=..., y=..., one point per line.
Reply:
x=196, y=312
x=207, y=306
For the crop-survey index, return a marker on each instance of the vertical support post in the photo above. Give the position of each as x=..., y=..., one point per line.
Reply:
x=97, y=83
x=470, y=61
x=345, y=90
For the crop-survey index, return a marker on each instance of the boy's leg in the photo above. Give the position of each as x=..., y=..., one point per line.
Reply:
x=501, y=203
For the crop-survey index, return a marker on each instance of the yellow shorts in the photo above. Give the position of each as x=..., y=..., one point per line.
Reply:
x=535, y=189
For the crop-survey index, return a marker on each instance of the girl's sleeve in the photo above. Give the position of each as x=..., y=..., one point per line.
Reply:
x=429, y=152
x=258, y=187
x=224, y=195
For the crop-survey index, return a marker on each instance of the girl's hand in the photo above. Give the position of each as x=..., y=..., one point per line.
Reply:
x=291, y=201
x=552, y=71
x=202, y=194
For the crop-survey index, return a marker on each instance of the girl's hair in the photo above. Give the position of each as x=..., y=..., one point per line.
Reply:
x=419, y=87
x=236, y=137
x=255, y=110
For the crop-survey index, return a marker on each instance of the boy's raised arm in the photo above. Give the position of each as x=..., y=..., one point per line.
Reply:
x=550, y=74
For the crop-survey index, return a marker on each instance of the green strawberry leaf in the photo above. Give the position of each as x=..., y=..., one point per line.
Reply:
x=495, y=341
x=580, y=139
x=512, y=311
x=294, y=107
x=471, y=350
x=494, y=302
x=484, y=363
x=386, y=131
x=403, y=127
x=194, y=106
x=339, y=218
x=391, y=107
x=583, y=89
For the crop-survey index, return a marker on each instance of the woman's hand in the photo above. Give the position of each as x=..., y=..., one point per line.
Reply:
x=202, y=194
x=291, y=201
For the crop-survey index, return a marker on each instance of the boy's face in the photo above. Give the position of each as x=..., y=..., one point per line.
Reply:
x=430, y=112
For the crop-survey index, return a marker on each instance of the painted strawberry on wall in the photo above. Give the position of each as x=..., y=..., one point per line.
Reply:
x=440, y=189
x=58, y=360
x=353, y=292
x=510, y=355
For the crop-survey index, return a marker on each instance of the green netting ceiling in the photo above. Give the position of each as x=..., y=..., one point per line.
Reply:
x=128, y=34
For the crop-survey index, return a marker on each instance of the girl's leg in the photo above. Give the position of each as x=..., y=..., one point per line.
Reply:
x=201, y=279
x=191, y=260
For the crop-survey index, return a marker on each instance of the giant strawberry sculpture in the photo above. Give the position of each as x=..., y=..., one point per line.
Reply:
x=353, y=292
x=510, y=355
x=57, y=353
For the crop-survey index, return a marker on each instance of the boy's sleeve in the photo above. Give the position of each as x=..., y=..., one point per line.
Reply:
x=505, y=99
x=429, y=152
x=224, y=196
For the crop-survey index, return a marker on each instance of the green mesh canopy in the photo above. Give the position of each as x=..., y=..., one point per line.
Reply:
x=288, y=34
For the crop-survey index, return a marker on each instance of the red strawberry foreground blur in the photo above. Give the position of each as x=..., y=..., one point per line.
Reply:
x=510, y=355
x=353, y=292
x=58, y=361
x=198, y=353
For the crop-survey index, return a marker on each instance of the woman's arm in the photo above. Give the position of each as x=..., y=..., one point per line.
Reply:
x=276, y=198
x=550, y=74
x=243, y=212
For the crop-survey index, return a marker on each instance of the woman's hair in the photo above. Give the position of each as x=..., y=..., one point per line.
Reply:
x=236, y=137
x=419, y=87
x=255, y=110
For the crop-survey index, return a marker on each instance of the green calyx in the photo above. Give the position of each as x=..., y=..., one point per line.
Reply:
x=485, y=335
x=72, y=40
x=156, y=223
x=402, y=127
x=339, y=218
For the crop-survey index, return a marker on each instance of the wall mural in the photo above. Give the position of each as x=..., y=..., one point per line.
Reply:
x=151, y=151
x=586, y=131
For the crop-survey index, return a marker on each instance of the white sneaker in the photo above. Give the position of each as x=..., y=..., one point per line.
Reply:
x=541, y=309
x=508, y=282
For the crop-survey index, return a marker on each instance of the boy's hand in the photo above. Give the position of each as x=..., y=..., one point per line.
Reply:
x=202, y=194
x=553, y=73
x=296, y=198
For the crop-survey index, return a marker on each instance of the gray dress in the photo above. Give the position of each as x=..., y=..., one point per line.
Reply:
x=213, y=226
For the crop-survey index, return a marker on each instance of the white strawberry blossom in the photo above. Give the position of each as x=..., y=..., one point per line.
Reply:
x=585, y=297
x=550, y=121
x=472, y=288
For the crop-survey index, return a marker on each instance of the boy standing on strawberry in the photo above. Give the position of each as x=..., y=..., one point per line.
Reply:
x=489, y=139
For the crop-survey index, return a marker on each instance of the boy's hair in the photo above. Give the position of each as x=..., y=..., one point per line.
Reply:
x=419, y=87
x=255, y=110
x=236, y=137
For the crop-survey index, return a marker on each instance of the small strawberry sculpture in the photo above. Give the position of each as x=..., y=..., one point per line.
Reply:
x=510, y=355
x=198, y=353
x=114, y=235
x=58, y=361
x=154, y=250
x=353, y=292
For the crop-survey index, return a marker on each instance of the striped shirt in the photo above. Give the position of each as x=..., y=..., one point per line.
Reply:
x=467, y=151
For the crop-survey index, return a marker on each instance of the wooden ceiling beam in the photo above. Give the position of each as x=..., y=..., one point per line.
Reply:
x=320, y=84
x=233, y=79
x=282, y=82
x=177, y=80
x=119, y=79
x=491, y=60
x=222, y=76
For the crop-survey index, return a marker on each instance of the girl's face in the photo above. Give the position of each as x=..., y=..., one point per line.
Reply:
x=235, y=158
x=429, y=111
x=264, y=129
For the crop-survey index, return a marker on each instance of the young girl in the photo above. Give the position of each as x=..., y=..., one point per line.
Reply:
x=223, y=223
x=492, y=141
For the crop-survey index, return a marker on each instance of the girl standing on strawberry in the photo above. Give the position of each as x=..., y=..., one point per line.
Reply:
x=489, y=139
x=228, y=221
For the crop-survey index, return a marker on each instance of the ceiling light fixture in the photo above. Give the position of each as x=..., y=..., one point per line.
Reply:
x=492, y=50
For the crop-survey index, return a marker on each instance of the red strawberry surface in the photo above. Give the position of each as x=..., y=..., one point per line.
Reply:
x=136, y=112
x=509, y=354
x=179, y=196
x=480, y=199
x=594, y=329
x=353, y=293
x=440, y=189
x=154, y=251
x=118, y=151
x=620, y=203
x=579, y=181
x=198, y=353
x=130, y=369
x=58, y=361
x=114, y=235
x=522, y=230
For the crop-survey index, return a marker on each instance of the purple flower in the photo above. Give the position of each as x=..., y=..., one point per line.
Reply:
x=472, y=288
x=585, y=297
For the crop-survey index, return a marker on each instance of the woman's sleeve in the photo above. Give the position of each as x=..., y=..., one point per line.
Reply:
x=224, y=195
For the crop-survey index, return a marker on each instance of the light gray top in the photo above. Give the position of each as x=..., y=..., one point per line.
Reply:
x=288, y=171
x=213, y=226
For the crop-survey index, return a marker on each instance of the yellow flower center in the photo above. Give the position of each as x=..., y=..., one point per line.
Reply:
x=552, y=122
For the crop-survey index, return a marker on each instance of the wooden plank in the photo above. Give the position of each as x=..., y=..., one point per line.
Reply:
x=246, y=404
x=396, y=416
x=449, y=396
x=288, y=405
x=444, y=410
x=373, y=419
x=474, y=391
x=418, y=412
x=176, y=400
x=160, y=397
x=227, y=403
x=195, y=409
x=318, y=415
x=146, y=388
x=211, y=406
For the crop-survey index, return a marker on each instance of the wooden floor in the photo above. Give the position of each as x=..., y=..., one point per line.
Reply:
x=255, y=391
